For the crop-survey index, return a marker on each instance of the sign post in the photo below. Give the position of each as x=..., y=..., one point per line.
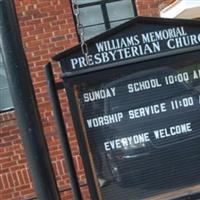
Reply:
x=136, y=108
x=62, y=132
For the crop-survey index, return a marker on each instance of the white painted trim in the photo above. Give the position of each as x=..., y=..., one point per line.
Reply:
x=182, y=9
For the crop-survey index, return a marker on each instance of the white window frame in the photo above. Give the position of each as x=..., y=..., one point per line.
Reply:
x=187, y=9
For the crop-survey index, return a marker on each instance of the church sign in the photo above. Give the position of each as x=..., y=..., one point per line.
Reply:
x=136, y=108
x=137, y=45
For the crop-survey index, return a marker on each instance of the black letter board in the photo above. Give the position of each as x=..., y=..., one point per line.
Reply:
x=136, y=108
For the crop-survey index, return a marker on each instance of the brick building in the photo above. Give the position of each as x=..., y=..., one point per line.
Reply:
x=49, y=27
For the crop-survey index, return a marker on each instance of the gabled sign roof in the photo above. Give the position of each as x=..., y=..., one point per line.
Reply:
x=140, y=39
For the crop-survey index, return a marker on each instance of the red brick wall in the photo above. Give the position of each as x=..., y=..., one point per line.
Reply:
x=47, y=27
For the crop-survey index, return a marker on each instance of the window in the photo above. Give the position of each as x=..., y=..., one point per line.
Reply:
x=97, y=16
x=5, y=97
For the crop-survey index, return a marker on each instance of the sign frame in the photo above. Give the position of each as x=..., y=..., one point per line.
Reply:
x=73, y=77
